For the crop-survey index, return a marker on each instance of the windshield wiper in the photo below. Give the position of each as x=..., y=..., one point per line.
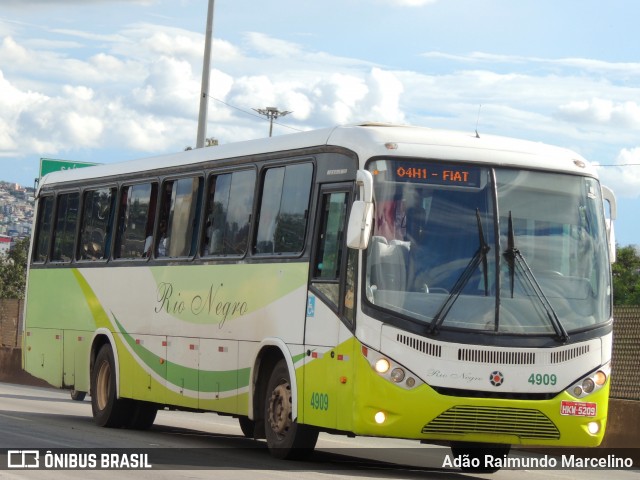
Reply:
x=516, y=260
x=479, y=256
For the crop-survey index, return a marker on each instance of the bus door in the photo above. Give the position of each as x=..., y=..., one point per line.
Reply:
x=330, y=316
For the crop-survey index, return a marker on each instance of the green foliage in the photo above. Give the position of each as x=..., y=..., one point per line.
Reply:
x=13, y=270
x=626, y=277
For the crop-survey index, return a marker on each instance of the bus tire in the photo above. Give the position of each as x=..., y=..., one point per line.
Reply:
x=247, y=426
x=286, y=438
x=77, y=395
x=141, y=415
x=476, y=452
x=108, y=410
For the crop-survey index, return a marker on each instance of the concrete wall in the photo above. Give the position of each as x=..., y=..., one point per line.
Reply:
x=623, y=424
x=11, y=368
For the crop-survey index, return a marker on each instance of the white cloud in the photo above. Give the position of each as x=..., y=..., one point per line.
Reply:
x=624, y=69
x=83, y=130
x=53, y=3
x=273, y=47
x=625, y=114
x=13, y=53
x=171, y=88
x=143, y=133
x=383, y=101
x=81, y=93
x=138, y=88
x=141, y=41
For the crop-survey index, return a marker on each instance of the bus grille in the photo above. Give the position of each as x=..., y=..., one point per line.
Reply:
x=524, y=423
x=492, y=356
x=420, y=345
x=569, y=354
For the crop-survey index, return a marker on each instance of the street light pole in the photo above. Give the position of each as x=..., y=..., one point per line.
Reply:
x=272, y=113
x=204, y=93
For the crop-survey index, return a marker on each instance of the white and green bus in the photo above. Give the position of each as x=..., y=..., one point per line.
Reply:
x=372, y=280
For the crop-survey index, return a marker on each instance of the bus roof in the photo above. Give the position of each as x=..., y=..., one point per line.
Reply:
x=366, y=140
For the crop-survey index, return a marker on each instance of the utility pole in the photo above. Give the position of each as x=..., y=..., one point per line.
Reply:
x=272, y=113
x=204, y=93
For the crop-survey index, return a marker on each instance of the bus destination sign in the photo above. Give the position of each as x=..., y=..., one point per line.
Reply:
x=438, y=174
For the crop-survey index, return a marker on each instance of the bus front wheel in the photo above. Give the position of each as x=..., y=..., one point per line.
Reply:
x=108, y=410
x=141, y=415
x=247, y=426
x=286, y=438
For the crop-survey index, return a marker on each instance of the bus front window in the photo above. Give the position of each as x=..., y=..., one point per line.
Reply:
x=440, y=248
x=558, y=227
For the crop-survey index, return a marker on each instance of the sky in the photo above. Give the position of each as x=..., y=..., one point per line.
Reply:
x=111, y=80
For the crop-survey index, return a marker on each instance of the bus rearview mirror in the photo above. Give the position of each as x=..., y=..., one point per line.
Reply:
x=610, y=199
x=360, y=222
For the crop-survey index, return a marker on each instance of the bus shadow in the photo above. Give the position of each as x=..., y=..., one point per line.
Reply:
x=233, y=452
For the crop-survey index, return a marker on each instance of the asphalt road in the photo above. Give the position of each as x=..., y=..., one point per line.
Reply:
x=203, y=445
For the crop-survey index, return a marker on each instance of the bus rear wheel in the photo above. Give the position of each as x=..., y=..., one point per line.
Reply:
x=286, y=438
x=78, y=395
x=108, y=410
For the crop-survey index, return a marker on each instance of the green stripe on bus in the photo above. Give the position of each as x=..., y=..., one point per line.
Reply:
x=198, y=380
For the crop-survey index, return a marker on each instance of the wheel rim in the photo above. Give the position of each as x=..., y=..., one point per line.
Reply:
x=102, y=385
x=280, y=409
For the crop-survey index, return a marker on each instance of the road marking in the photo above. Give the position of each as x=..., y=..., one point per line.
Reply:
x=14, y=418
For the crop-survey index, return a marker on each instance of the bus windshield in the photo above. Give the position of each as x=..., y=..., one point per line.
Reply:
x=488, y=249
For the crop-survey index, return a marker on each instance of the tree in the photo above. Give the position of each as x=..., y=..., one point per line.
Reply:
x=13, y=270
x=626, y=276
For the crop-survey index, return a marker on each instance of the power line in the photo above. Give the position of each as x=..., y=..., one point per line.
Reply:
x=253, y=114
x=618, y=165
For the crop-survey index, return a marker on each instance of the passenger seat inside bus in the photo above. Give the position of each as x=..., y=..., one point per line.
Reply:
x=388, y=267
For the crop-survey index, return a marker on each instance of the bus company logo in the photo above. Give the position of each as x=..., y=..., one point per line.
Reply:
x=23, y=459
x=496, y=378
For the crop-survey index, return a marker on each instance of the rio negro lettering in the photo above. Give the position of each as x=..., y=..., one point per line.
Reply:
x=208, y=303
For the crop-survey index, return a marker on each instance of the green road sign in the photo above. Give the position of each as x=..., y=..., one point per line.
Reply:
x=48, y=165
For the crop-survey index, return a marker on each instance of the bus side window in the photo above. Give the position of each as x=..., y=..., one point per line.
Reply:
x=64, y=234
x=228, y=215
x=94, y=227
x=284, y=209
x=178, y=220
x=43, y=232
x=136, y=219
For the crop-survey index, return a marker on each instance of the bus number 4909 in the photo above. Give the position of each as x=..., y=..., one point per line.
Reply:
x=319, y=401
x=540, y=379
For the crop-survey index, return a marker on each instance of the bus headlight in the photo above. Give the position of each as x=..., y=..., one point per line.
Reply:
x=397, y=375
x=600, y=378
x=382, y=365
x=390, y=370
x=590, y=383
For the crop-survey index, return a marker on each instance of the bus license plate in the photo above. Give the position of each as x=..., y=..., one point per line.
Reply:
x=578, y=409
